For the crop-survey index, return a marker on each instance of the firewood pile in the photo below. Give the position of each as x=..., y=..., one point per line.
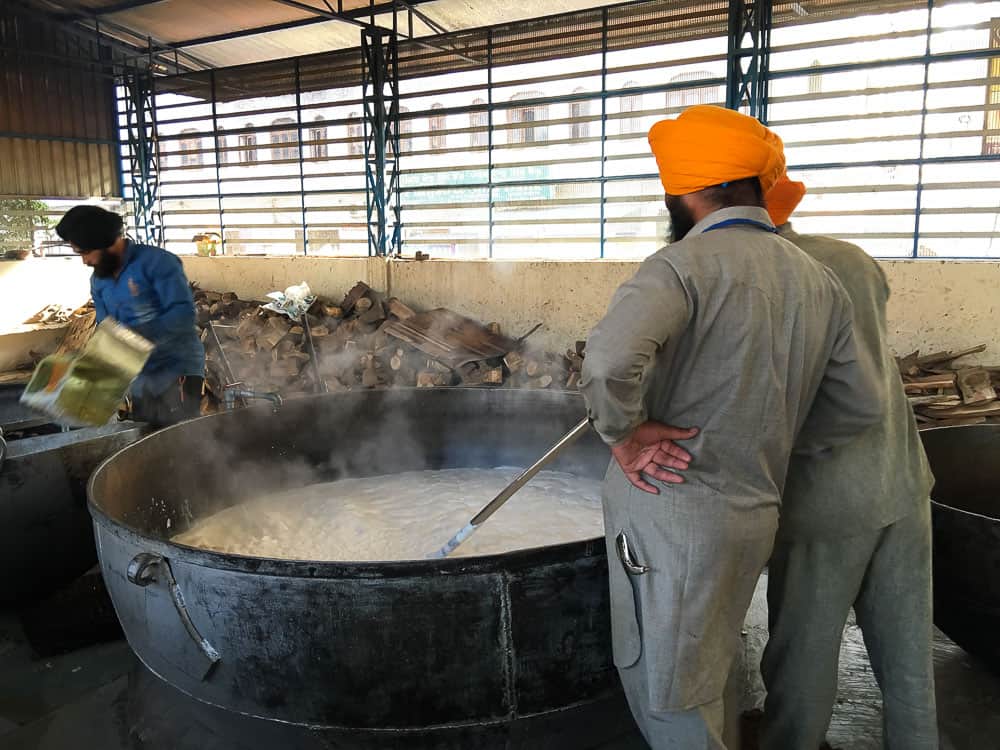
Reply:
x=366, y=340
x=944, y=393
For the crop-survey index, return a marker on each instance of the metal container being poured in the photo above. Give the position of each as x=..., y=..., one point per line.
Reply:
x=86, y=389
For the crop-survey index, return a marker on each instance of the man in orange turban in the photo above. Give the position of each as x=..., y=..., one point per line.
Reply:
x=732, y=330
x=855, y=532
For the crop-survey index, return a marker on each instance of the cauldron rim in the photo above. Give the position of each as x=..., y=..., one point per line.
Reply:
x=949, y=507
x=337, y=569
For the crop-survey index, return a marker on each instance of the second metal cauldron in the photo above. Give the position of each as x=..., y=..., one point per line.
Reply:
x=966, y=465
x=456, y=653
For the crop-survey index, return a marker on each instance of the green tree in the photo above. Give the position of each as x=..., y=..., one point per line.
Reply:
x=19, y=217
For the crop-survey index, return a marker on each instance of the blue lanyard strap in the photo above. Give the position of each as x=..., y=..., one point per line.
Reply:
x=751, y=222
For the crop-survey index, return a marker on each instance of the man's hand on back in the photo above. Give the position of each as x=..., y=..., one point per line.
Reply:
x=651, y=450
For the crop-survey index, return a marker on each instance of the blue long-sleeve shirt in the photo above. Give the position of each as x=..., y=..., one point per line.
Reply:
x=151, y=295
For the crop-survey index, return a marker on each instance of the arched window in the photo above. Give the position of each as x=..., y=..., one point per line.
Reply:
x=527, y=116
x=815, y=80
x=437, y=125
x=190, y=149
x=247, y=153
x=579, y=111
x=356, y=132
x=480, y=120
x=627, y=105
x=318, y=149
x=405, y=128
x=688, y=97
x=286, y=140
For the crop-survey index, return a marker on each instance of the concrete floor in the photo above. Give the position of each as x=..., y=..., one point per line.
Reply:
x=78, y=701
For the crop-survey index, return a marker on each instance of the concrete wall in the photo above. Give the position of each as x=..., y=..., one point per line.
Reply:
x=935, y=304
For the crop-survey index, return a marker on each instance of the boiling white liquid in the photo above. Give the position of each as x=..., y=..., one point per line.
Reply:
x=404, y=517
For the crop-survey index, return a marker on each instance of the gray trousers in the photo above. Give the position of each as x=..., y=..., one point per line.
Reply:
x=713, y=726
x=886, y=577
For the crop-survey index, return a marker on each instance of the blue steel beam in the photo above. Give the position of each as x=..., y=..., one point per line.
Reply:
x=380, y=92
x=748, y=56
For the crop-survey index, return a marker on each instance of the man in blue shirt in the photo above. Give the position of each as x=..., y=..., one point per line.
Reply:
x=143, y=288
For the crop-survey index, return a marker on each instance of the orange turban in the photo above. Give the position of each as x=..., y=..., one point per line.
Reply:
x=710, y=145
x=783, y=198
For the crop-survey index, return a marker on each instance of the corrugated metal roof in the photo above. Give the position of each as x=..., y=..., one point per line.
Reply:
x=221, y=32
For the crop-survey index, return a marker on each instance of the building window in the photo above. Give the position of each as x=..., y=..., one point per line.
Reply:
x=317, y=134
x=991, y=136
x=627, y=105
x=247, y=142
x=480, y=122
x=221, y=143
x=579, y=111
x=527, y=116
x=405, y=128
x=356, y=132
x=688, y=97
x=190, y=148
x=438, y=124
x=815, y=80
x=287, y=141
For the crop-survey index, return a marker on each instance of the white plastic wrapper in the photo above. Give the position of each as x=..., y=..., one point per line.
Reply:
x=293, y=302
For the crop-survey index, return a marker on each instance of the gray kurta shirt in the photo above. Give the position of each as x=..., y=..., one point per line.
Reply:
x=882, y=475
x=734, y=331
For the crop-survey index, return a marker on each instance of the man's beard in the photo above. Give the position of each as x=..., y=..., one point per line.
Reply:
x=107, y=266
x=681, y=219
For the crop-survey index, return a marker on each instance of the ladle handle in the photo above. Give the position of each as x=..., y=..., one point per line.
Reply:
x=507, y=492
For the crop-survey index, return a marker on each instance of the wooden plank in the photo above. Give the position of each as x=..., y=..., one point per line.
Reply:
x=975, y=386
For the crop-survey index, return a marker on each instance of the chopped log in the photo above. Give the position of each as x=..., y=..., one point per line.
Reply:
x=493, y=328
x=908, y=365
x=573, y=381
x=296, y=330
x=975, y=386
x=396, y=361
x=432, y=365
x=937, y=401
x=319, y=332
x=493, y=376
x=374, y=315
x=574, y=360
x=78, y=334
x=358, y=291
x=471, y=374
x=514, y=362
x=275, y=330
x=543, y=382
x=398, y=309
x=363, y=305
x=449, y=337
x=333, y=311
x=930, y=382
x=939, y=358
x=532, y=368
x=428, y=379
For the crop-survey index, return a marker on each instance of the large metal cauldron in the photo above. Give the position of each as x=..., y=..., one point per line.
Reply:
x=45, y=532
x=966, y=464
x=462, y=653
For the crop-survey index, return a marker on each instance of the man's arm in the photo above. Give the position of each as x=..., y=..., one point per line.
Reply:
x=176, y=303
x=645, y=312
x=851, y=397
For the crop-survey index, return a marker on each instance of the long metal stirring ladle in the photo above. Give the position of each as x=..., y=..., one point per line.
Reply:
x=522, y=479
